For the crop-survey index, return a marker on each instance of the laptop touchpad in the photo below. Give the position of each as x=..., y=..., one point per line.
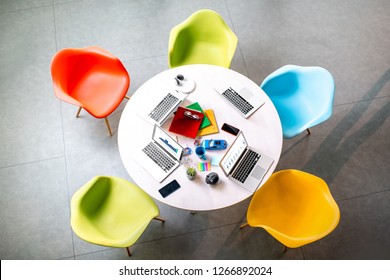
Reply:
x=258, y=172
x=244, y=92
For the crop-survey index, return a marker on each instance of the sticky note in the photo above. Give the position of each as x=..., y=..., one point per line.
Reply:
x=215, y=161
x=204, y=166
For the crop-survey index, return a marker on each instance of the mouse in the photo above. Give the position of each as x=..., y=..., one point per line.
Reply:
x=212, y=178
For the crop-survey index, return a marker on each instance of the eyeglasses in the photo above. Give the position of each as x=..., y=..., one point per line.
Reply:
x=188, y=114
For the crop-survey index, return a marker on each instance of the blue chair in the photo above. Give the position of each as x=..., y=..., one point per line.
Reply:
x=303, y=97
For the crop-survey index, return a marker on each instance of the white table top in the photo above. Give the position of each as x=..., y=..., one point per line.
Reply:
x=262, y=130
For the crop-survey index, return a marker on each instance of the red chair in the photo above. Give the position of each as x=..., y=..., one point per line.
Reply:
x=90, y=78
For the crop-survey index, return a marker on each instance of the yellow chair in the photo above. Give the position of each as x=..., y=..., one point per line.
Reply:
x=203, y=38
x=295, y=207
x=112, y=212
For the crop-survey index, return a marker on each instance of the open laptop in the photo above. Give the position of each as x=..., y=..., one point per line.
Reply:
x=243, y=165
x=242, y=99
x=161, y=156
x=158, y=110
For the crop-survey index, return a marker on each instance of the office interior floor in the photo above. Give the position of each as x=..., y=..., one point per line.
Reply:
x=46, y=154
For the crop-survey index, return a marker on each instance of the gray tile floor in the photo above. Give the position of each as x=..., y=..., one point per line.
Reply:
x=46, y=154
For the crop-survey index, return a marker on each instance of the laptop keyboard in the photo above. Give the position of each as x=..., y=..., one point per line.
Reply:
x=161, y=159
x=237, y=100
x=163, y=107
x=246, y=165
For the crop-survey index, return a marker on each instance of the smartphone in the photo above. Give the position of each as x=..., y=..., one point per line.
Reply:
x=230, y=129
x=169, y=188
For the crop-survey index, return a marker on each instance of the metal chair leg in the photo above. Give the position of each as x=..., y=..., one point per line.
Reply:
x=108, y=126
x=128, y=251
x=78, y=112
x=244, y=225
x=158, y=218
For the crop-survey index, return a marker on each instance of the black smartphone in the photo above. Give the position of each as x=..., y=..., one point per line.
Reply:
x=169, y=188
x=230, y=129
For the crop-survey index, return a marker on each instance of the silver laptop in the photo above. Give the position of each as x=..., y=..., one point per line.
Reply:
x=158, y=110
x=242, y=99
x=244, y=165
x=161, y=156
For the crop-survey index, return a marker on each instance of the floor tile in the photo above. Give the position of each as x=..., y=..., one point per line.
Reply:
x=228, y=242
x=43, y=144
x=35, y=213
x=124, y=27
x=350, y=151
x=361, y=233
x=315, y=34
x=16, y=5
x=30, y=114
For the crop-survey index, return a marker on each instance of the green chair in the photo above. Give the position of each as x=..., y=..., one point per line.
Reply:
x=112, y=212
x=203, y=38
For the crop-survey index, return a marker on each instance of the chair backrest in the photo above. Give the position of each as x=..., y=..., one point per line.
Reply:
x=95, y=196
x=295, y=207
x=303, y=96
x=206, y=27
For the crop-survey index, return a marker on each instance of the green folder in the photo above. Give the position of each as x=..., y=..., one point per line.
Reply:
x=196, y=106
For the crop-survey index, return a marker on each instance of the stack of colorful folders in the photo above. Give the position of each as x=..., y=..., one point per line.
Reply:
x=187, y=124
x=209, y=124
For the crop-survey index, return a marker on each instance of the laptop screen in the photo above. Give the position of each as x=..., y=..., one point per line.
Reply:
x=166, y=142
x=233, y=154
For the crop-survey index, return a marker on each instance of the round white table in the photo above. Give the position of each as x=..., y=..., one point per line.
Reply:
x=262, y=131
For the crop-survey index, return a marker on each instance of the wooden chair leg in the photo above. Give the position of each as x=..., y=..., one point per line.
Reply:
x=128, y=251
x=308, y=132
x=127, y=97
x=244, y=225
x=158, y=218
x=108, y=126
x=78, y=112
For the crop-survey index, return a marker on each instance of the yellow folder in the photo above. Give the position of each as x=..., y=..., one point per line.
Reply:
x=213, y=127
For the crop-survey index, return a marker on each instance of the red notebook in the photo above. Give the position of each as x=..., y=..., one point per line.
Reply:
x=186, y=122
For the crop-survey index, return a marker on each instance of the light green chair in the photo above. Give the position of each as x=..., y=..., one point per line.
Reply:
x=203, y=38
x=112, y=212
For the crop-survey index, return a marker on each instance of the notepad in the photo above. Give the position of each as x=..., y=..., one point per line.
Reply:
x=213, y=127
x=195, y=106
x=215, y=160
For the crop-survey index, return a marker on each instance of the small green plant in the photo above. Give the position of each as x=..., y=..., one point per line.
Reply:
x=191, y=172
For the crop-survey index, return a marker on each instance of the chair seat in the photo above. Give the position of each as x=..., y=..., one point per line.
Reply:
x=293, y=120
x=107, y=88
